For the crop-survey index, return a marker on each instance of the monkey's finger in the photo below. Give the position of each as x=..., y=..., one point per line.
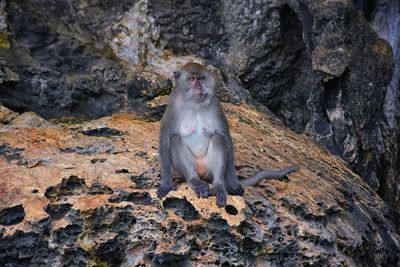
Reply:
x=201, y=192
x=163, y=191
x=204, y=190
x=221, y=198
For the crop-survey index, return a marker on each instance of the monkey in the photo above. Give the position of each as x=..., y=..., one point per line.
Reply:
x=195, y=140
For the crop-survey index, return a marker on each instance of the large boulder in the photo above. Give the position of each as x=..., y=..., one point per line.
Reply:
x=84, y=194
x=319, y=66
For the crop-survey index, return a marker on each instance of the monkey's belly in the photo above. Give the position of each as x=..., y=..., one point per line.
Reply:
x=198, y=144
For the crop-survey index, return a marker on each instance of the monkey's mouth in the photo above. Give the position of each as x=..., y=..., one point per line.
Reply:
x=200, y=95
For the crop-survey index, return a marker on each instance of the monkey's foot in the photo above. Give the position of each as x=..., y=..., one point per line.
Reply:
x=235, y=189
x=164, y=189
x=220, y=193
x=200, y=187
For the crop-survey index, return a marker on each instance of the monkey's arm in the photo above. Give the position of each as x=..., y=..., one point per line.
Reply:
x=268, y=174
x=233, y=185
x=166, y=132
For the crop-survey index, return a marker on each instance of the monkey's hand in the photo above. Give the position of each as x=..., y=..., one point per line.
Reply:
x=235, y=189
x=164, y=189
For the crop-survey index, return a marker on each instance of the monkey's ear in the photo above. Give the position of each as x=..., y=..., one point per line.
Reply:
x=177, y=74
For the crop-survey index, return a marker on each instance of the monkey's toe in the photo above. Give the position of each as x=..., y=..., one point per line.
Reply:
x=221, y=198
x=200, y=187
x=163, y=190
x=236, y=190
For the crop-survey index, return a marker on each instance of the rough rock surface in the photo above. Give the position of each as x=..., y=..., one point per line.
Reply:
x=320, y=66
x=386, y=21
x=6, y=115
x=83, y=194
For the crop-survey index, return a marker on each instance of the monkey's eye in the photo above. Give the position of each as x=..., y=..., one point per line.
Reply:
x=191, y=78
x=201, y=78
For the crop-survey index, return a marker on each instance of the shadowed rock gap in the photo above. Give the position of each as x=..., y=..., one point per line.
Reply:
x=281, y=79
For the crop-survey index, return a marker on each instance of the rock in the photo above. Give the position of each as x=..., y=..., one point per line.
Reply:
x=7, y=115
x=4, y=34
x=6, y=74
x=30, y=120
x=385, y=20
x=322, y=68
x=104, y=210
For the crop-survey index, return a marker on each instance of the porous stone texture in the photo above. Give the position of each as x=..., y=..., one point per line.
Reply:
x=84, y=194
x=321, y=67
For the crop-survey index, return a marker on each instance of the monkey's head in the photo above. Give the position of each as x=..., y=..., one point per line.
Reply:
x=194, y=82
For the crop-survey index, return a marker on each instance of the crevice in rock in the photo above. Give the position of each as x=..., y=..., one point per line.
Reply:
x=170, y=260
x=97, y=189
x=66, y=236
x=231, y=210
x=70, y=186
x=110, y=252
x=27, y=249
x=109, y=219
x=334, y=101
x=139, y=198
x=147, y=179
x=13, y=154
x=57, y=211
x=281, y=75
x=75, y=257
x=182, y=208
x=102, y=132
x=11, y=216
x=95, y=148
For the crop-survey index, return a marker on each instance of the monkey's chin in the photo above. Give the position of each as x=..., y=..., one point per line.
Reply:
x=200, y=96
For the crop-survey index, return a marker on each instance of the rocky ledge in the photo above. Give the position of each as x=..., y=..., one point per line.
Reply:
x=79, y=193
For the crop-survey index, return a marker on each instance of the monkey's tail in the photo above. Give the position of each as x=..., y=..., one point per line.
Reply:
x=268, y=174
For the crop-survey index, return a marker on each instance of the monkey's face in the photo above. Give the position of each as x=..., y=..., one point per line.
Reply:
x=194, y=82
x=198, y=86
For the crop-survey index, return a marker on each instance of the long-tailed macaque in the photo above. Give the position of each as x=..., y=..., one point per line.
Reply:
x=195, y=140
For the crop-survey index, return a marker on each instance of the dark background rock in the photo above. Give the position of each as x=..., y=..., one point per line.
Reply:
x=66, y=66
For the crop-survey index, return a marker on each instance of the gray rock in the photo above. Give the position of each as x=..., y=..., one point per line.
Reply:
x=30, y=120
x=7, y=115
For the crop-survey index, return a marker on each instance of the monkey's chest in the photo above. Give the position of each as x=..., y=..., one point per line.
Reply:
x=196, y=132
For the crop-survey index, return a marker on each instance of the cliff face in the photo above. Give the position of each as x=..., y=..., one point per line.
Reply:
x=83, y=194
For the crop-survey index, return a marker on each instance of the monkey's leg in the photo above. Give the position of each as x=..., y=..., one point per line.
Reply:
x=166, y=161
x=184, y=163
x=216, y=164
x=233, y=185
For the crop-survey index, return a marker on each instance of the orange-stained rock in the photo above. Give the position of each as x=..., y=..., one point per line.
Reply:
x=93, y=186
